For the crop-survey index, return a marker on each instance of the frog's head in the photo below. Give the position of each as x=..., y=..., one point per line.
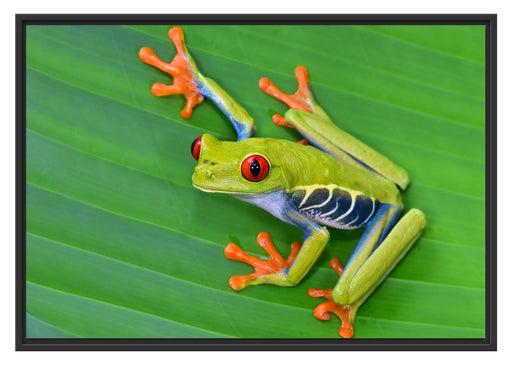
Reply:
x=246, y=167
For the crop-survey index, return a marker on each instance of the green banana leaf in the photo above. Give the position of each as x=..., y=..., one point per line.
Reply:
x=119, y=243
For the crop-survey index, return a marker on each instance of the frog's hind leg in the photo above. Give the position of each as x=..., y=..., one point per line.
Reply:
x=302, y=99
x=345, y=313
x=314, y=124
x=371, y=262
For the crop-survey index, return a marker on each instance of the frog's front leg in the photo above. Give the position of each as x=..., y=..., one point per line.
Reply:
x=277, y=270
x=194, y=86
x=376, y=254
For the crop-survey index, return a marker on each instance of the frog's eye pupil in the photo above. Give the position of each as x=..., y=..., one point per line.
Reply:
x=195, y=148
x=255, y=168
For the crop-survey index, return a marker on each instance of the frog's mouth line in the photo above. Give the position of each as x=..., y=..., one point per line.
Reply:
x=212, y=190
x=234, y=192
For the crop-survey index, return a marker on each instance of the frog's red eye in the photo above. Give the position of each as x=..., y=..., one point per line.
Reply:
x=255, y=168
x=196, y=148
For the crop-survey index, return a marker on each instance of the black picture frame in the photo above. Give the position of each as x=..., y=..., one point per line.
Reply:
x=487, y=344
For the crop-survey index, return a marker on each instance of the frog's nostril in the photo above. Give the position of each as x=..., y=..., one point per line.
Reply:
x=209, y=174
x=205, y=170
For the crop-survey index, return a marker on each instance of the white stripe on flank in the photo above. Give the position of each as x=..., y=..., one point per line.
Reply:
x=318, y=205
x=349, y=224
x=370, y=215
x=351, y=207
x=330, y=212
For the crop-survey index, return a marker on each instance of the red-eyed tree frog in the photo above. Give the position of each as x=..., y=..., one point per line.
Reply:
x=330, y=179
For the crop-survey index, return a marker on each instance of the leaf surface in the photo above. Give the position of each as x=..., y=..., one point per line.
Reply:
x=119, y=243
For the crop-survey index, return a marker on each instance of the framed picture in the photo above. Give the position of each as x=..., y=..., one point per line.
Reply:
x=117, y=248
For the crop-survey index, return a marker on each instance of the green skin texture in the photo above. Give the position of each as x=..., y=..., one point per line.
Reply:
x=339, y=159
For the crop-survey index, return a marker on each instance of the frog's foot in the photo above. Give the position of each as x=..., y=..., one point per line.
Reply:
x=345, y=312
x=182, y=69
x=302, y=99
x=271, y=271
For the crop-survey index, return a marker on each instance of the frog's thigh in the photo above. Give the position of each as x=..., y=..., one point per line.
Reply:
x=382, y=260
x=325, y=135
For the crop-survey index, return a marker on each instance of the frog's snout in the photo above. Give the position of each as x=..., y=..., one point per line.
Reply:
x=205, y=169
x=204, y=175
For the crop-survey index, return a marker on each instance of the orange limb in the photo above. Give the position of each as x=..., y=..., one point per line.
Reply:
x=180, y=69
x=302, y=99
x=275, y=263
x=342, y=311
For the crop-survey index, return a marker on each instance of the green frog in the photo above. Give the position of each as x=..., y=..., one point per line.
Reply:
x=329, y=179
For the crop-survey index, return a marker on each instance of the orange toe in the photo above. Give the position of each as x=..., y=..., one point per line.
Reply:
x=275, y=263
x=342, y=311
x=181, y=69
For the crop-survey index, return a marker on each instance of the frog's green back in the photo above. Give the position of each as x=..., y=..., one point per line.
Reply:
x=306, y=165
